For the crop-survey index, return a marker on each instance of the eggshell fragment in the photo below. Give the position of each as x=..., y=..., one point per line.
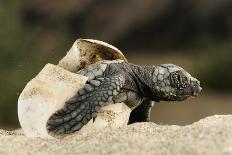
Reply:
x=88, y=51
x=47, y=93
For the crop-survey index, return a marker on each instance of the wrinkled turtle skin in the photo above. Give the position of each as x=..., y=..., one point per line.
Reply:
x=118, y=81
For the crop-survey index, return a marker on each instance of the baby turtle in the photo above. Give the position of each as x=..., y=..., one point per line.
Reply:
x=115, y=81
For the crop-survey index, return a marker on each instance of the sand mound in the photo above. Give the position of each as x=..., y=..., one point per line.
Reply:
x=211, y=135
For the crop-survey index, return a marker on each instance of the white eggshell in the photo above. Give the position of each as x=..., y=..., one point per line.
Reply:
x=88, y=51
x=44, y=95
x=47, y=93
x=111, y=116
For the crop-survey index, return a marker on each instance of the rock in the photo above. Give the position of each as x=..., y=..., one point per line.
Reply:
x=47, y=93
x=209, y=136
x=88, y=51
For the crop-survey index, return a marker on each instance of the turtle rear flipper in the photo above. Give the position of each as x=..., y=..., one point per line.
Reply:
x=84, y=105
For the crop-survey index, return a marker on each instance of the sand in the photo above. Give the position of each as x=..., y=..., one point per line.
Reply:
x=211, y=135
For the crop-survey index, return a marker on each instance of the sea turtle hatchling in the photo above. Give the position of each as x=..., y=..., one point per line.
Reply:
x=114, y=81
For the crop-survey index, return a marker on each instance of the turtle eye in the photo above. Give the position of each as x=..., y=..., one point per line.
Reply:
x=178, y=80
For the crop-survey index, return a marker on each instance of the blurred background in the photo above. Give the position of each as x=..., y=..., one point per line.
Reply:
x=194, y=34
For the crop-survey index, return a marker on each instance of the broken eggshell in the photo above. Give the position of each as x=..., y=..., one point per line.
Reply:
x=88, y=51
x=43, y=96
x=48, y=91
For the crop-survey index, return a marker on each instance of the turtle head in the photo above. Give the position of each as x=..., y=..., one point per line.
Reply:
x=173, y=83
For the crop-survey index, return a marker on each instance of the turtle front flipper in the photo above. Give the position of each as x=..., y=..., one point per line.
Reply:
x=84, y=105
x=142, y=112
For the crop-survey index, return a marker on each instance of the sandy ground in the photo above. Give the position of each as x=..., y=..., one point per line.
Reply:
x=211, y=135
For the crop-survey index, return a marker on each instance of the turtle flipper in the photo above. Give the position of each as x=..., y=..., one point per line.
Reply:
x=142, y=112
x=84, y=105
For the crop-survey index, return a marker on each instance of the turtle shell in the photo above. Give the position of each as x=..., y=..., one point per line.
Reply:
x=88, y=51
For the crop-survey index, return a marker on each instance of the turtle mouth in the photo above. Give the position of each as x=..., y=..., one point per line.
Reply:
x=182, y=97
x=196, y=89
x=192, y=90
x=186, y=93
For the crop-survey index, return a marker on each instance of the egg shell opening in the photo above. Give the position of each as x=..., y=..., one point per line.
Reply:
x=88, y=51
